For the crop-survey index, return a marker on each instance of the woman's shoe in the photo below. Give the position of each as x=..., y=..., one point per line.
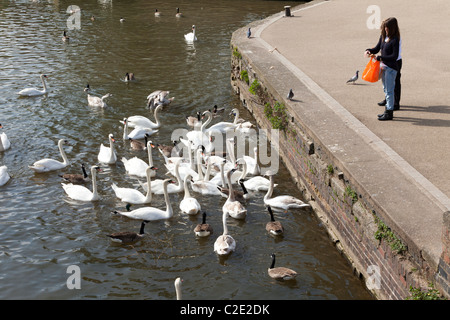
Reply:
x=387, y=115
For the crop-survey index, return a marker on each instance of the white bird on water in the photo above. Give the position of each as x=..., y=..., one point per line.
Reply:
x=191, y=35
x=32, y=92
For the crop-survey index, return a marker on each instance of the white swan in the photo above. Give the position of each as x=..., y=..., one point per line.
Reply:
x=224, y=244
x=190, y=37
x=31, y=92
x=198, y=137
x=233, y=207
x=185, y=167
x=157, y=186
x=107, y=154
x=45, y=165
x=4, y=175
x=136, y=133
x=203, y=229
x=202, y=185
x=5, y=144
x=81, y=193
x=138, y=167
x=283, y=202
x=221, y=127
x=151, y=213
x=189, y=204
x=144, y=122
x=256, y=183
x=252, y=163
x=94, y=101
x=242, y=125
x=133, y=196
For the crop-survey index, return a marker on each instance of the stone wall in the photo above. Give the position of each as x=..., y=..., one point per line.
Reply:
x=375, y=253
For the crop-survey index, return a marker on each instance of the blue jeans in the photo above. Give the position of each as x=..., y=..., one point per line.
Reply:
x=388, y=80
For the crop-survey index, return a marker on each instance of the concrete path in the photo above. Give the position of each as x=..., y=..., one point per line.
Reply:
x=322, y=44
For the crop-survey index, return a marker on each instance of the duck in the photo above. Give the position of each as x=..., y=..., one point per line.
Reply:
x=129, y=77
x=178, y=14
x=151, y=213
x=274, y=227
x=32, y=92
x=157, y=13
x=280, y=273
x=76, y=177
x=283, y=202
x=190, y=37
x=141, y=121
x=138, y=167
x=46, y=165
x=133, y=196
x=5, y=144
x=216, y=111
x=203, y=229
x=178, y=283
x=81, y=193
x=94, y=101
x=4, y=175
x=65, y=37
x=136, y=133
x=225, y=243
x=231, y=206
x=189, y=205
x=128, y=237
x=108, y=155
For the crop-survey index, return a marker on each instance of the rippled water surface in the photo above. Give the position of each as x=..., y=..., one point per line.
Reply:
x=44, y=232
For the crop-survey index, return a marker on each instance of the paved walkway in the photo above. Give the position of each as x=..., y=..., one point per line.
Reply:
x=322, y=44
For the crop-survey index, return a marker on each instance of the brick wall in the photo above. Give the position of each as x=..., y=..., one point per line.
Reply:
x=351, y=221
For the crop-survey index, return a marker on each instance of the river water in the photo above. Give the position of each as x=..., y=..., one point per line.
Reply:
x=45, y=233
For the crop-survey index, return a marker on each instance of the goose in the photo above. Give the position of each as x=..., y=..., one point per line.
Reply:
x=31, y=92
x=107, y=154
x=193, y=121
x=75, y=177
x=133, y=196
x=45, y=165
x=189, y=204
x=203, y=229
x=128, y=237
x=65, y=37
x=157, y=186
x=122, y=19
x=151, y=213
x=283, y=202
x=216, y=111
x=157, y=13
x=5, y=144
x=136, y=133
x=280, y=273
x=178, y=14
x=138, y=167
x=129, y=77
x=233, y=207
x=190, y=37
x=4, y=175
x=256, y=183
x=178, y=283
x=94, y=101
x=141, y=121
x=274, y=227
x=81, y=193
x=224, y=244
x=240, y=196
x=139, y=145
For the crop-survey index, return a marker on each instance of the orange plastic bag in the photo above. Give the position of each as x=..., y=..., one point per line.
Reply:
x=372, y=71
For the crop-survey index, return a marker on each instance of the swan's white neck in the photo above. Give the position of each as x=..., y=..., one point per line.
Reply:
x=63, y=154
x=230, y=150
x=244, y=170
x=149, y=152
x=230, y=187
x=236, y=117
x=43, y=84
x=125, y=129
x=199, y=165
x=270, y=190
x=148, y=197
x=111, y=146
x=224, y=220
x=207, y=122
x=187, y=194
x=94, y=184
x=169, y=210
x=156, y=115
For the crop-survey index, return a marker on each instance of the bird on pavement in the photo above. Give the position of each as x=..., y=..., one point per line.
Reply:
x=354, y=78
x=249, y=33
x=290, y=94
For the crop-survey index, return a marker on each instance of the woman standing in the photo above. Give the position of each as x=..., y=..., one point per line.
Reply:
x=389, y=45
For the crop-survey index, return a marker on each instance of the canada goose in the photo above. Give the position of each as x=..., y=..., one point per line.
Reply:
x=283, y=202
x=45, y=165
x=122, y=19
x=76, y=177
x=129, y=77
x=128, y=237
x=178, y=14
x=203, y=229
x=224, y=244
x=65, y=37
x=31, y=92
x=157, y=13
x=170, y=151
x=178, y=283
x=274, y=227
x=280, y=273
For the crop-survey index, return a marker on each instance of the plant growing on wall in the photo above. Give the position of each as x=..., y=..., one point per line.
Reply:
x=277, y=115
x=430, y=294
x=254, y=87
x=236, y=53
x=384, y=232
x=244, y=76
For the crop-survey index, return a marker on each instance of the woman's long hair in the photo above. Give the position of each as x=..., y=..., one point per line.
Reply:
x=393, y=30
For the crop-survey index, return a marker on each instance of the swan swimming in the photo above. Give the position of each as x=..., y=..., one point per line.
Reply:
x=191, y=35
x=81, y=193
x=45, y=165
x=133, y=196
x=136, y=133
x=138, y=167
x=5, y=144
x=141, y=121
x=189, y=205
x=4, y=175
x=107, y=154
x=224, y=244
x=32, y=92
x=94, y=101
